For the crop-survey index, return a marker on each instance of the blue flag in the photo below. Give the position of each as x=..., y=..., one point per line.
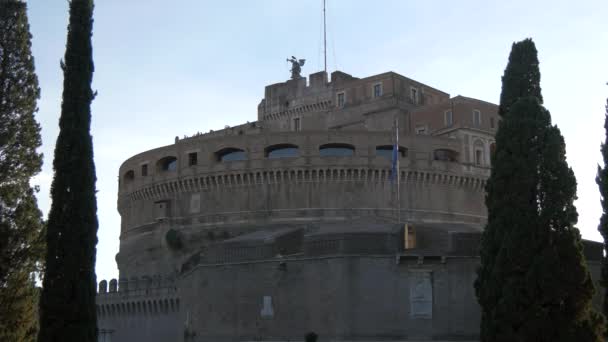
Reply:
x=394, y=162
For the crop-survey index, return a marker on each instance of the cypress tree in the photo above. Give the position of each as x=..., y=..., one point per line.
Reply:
x=67, y=305
x=602, y=182
x=521, y=77
x=533, y=284
x=21, y=239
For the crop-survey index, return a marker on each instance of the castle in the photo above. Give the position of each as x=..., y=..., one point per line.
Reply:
x=294, y=222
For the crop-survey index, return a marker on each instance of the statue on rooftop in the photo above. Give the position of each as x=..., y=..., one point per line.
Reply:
x=296, y=67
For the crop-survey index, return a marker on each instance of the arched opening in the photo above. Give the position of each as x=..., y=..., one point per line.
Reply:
x=387, y=151
x=281, y=151
x=167, y=164
x=445, y=155
x=129, y=176
x=230, y=154
x=336, y=150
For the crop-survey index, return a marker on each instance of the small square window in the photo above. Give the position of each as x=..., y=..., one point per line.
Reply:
x=296, y=124
x=144, y=170
x=192, y=159
x=340, y=99
x=448, y=118
x=476, y=118
x=377, y=90
x=421, y=130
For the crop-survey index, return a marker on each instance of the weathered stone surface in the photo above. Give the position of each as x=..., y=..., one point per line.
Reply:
x=272, y=248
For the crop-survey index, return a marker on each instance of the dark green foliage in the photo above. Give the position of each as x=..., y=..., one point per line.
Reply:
x=602, y=182
x=521, y=77
x=21, y=239
x=533, y=283
x=23, y=300
x=311, y=337
x=67, y=305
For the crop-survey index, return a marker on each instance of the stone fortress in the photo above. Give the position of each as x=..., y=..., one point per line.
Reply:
x=271, y=229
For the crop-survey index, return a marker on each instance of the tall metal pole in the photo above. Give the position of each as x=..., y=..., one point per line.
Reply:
x=324, y=38
x=398, y=175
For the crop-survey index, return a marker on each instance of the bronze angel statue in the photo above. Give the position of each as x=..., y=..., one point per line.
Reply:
x=296, y=67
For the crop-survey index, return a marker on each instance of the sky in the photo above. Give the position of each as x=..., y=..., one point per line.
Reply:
x=174, y=68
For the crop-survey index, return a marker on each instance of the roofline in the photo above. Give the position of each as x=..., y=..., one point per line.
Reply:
x=395, y=74
x=473, y=99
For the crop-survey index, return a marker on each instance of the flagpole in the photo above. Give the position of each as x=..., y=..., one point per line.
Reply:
x=324, y=39
x=397, y=169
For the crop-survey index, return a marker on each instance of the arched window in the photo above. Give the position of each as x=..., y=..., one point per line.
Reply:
x=445, y=155
x=129, y=176
x=387, y=151
x=336, y=150
x=281, y=151
x=230, y=154
x=167, y=164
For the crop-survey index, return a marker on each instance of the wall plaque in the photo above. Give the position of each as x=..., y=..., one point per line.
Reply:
x=267, y=310
x=421, y=294
x=195, y=203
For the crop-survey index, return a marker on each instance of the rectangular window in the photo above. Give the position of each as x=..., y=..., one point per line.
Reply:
x=144, y=170
x=377, y=90
x=414, y=95
x=162, y=209
x=448, y=118
x=476, y=118
x=478, y=157
x=341, y=98
x=492, y=122
x=192, y=159
x=421, y=130
x=296, y=124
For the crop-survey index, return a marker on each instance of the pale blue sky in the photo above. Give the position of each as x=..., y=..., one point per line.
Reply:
x=169, y=68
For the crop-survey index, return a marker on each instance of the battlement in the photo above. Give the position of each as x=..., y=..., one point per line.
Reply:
x=145, y=286
x=297, y=96
x=242, y=129
x=129, y=304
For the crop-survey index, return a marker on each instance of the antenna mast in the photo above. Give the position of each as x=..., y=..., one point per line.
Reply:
x=324, y=38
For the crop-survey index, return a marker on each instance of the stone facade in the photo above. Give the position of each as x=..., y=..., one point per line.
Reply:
x=289, y=224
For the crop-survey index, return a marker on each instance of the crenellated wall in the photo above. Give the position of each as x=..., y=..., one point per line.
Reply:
x=139, y=309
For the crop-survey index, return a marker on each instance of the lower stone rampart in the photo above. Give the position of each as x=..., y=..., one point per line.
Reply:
x=140, y=309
